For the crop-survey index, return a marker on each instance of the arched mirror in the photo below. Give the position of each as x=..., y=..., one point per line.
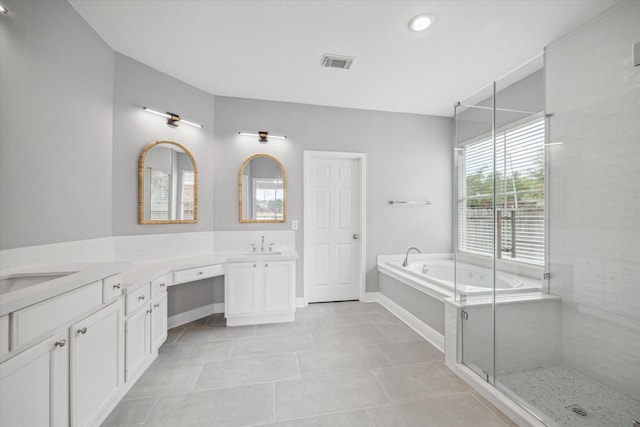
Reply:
x=262, y=190
x=167, y=184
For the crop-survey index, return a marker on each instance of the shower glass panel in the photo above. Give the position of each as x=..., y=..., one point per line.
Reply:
x=475, y=229
x=527, y=319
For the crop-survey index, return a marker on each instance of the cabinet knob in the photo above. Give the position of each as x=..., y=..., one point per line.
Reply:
x=162, y=285
x=200, y=273
x=266, y=265
x=254, y=265
x=117, y=286
x=141, y=297
x=149, y=311
x=82, y=331
x=61, y=343
x=156, y=305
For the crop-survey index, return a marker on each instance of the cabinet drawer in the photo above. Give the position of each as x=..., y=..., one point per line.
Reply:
x=138, y=298
x=111, y=288
x=193, y=274
x=159, y=286
x=38, y=319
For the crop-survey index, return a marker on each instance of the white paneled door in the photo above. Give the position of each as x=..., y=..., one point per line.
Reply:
x=333, y=226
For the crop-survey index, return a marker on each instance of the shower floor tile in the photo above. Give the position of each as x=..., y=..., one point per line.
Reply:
x=552, y=390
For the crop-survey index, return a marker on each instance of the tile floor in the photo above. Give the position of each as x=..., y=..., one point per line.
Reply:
x=345, y=364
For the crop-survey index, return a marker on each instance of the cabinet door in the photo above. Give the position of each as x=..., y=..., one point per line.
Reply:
x=34, y=387
x=158, y=321
x=138, y=341
x=96, y=363
x=241, y=290
x=278, y=286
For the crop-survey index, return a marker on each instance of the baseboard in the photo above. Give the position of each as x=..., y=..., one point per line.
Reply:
x=424, y=330
x=195, y=314
x=301, y=302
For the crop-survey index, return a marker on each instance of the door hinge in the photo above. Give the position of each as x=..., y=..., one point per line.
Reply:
x=546, y=276
x=464, y=315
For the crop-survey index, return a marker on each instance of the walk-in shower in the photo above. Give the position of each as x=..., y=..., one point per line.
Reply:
x=542, y=190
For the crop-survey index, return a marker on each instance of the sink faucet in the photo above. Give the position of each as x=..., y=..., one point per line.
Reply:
x=262, y=244
x=406, y=257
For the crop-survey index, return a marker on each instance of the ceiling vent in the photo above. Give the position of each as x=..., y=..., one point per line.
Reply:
x=336, y=61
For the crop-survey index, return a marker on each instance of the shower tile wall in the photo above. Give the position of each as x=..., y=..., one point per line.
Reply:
x=593, y=90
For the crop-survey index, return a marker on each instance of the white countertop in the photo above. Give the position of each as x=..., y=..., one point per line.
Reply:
x=84, y=275
x=134, y=274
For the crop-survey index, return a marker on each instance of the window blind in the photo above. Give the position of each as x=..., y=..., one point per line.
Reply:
x=519, y=190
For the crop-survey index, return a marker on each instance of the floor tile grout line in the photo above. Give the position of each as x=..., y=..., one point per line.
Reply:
x=298, y=364
x=366, y=410
x=274, y=401
x=324, y=414
x=233, y=347
x=155, y=404
x=384, y=355
x=381, y=386
x=199, y=375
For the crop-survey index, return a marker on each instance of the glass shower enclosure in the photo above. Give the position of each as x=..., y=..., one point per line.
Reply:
x=526, y=320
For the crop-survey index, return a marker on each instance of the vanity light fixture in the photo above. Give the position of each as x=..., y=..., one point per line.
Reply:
x=262, y=136
x=3, y=10
x=173, y=119
x=421, y=22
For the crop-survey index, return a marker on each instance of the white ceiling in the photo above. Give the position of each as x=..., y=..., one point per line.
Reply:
x=272, y=49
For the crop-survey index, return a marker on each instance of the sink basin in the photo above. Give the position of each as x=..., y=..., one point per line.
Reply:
x=21, y=281
x=264, y=253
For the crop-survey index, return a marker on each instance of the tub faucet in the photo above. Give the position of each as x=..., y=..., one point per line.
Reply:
x=406, y=257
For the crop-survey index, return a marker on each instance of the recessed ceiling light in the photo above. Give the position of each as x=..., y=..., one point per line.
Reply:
x=421, y=22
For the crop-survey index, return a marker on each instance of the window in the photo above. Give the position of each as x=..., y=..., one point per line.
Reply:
x=519, y=185
x=159, y=205
x=268, y=199
x=187, y=195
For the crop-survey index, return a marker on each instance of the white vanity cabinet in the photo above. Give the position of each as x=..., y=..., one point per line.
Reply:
x=259, y=292
x=145, y=326
x=96, y=364
x=65, y=361
x=34, y=385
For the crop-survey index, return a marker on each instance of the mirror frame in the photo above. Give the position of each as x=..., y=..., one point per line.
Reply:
x=143, y=155
x=284, y=192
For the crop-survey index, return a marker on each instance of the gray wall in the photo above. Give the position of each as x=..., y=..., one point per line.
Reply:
x=408, y=158
x=137, y=86
x=56, y=83
x=593, y=90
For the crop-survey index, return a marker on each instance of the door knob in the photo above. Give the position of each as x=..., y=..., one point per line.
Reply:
x=355, y=236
